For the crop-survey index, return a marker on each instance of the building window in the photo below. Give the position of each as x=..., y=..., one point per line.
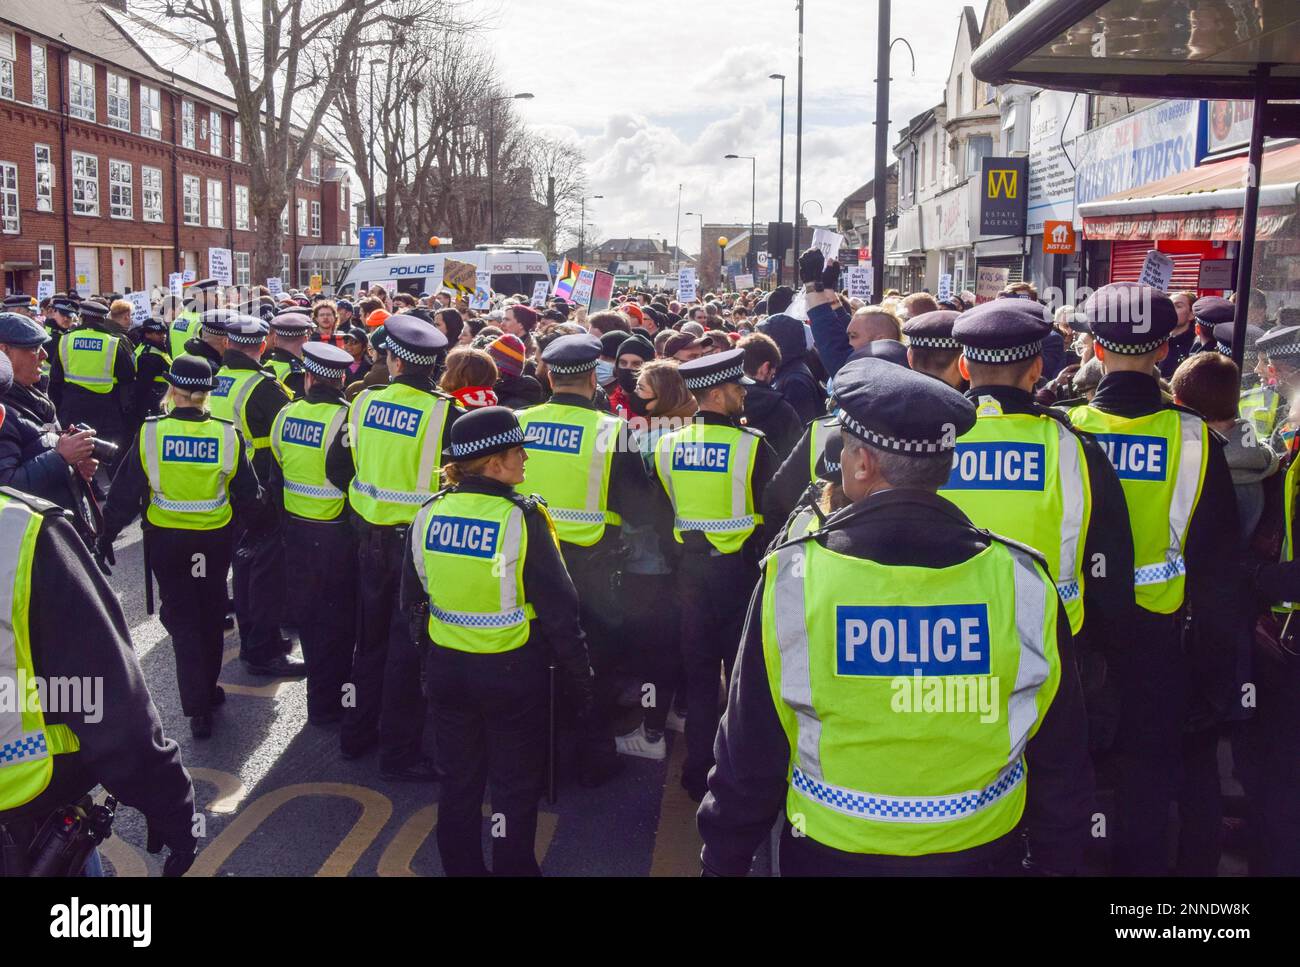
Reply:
x=81, y=89
x=315, y=219
x=302, y=216
x=8, y=54
x=85, y=184
x=241, y=207
x=237, y=140
x=284, y=267
x=243, y=269
x=151, y=194
x=284, y=218
x=150, y=112
x=214, y=133
x=119, y=101
x=40, y=77
x=8, y=198
x=187, y=124
x=977, y=149
x=120, y=202
x=44, y=179
x=216, y=218
x=193, y=194
x=45, y=262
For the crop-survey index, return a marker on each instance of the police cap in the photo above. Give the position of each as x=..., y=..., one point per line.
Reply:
x=92, y=311
x=22, y=332
x=828, y=464
x=214, y=321
x=66, y=305
x=571, y=355
x=413, y=341
x=291, y=324
x=1281, y=342
x=932, y=330
x=203, y=285
x=245, y=330
x=326, y=360
x=1001, y=331
x=1210, y=310
x=714, y=370
x=893, y=408
x=19, y=300
x=153, y=324
x=191, y=373
x=1129, y=318
x=1223, y=336
x=483, y=432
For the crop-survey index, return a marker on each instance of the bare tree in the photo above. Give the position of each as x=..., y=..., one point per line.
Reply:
x=285, y=69
x=559, y=178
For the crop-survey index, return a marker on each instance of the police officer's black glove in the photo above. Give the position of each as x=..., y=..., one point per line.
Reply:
x=811, y=264
x=831, y=275
x=181, y=850
x=104, y=556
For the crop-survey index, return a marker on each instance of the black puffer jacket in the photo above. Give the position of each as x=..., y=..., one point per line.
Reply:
x=767, y=410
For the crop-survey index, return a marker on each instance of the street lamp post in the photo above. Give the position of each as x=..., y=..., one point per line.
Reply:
x=492, y=157
x=373, y=190
x=722, y=252
x=753, y=194
x=780, y=191
x=798, y=137
x=582, y=227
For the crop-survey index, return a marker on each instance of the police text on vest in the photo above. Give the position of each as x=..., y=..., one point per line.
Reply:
x=462, y=535
x=557, y=437
x=392, y=418
x=305, y=433
x=715, y=457
x=889, y=640
x=186, y=449
x=998, y=466
x=1136, y=457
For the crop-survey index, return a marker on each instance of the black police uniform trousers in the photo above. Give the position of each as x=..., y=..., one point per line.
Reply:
x=599, y=606
x=102, y=412
x=258, y=584
x=490, y=714
x=1151, y=675
x=325, y=606
x=652, y=606
x=1270, y=764
x=193, y=598
x=386, y=664
x=714, y=590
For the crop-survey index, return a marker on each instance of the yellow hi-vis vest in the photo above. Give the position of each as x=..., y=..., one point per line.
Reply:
x=908, y=694
x=89, y=358
x=707, y=470
x=469, y=551
x=27, y=741
x=1290, y=492
x=146, y=347
x=395, y=433
x=570, y=457
x=229, y=401
x=188, y=464
x=1160, y=459
x=301, y=437
x=819, y=430
x=1026, y=477
x=1259, y=405
x=183, y=327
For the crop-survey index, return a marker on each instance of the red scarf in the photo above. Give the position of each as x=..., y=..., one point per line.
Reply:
x=475, y=397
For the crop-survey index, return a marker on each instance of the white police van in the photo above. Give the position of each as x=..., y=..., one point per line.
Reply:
x=514, y=271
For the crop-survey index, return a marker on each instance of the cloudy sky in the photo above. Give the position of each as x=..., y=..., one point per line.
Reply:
x=656, y=93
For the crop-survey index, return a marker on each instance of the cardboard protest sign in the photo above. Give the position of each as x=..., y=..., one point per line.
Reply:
x=990, y=281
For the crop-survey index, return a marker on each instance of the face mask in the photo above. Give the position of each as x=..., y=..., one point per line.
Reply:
x=627, y=380
x=639, y=405
x=604, y=372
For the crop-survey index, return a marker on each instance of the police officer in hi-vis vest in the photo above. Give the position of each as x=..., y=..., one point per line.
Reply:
x=289, y=332
x=151, y=365
x=92, y=374
x=200, y=297
x=209, y=341
x=1260, y=403
x=587, y=467
x=931, y=349
x=1025, y=472
x=905, y=688
x=61, y=318
x=250, y=397
x=190, y=472
x=309, y=480
x=397, y=434
x=713, y=472
x=485, y=591
x=62, y=622
x=1183, y=517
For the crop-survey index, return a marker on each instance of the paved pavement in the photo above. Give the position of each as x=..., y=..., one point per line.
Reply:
x=279, y=800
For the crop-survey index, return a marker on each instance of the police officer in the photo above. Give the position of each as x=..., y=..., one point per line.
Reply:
x=309, y=481
x=250, y=397
x=151, y=365
x=21, y=303
x=1260, y=403
x=200, y=297
x=1025, y=472
x=73, y=629
x=484, y=583
x=713, y=472
x=397, y=435
x=931, y=349
x=835, y=711
x=1183, y=518
x=289, y=332
x=1279, y=350
x=584, y=463
x=91, y=377
x=209, y=341
x=192, y=473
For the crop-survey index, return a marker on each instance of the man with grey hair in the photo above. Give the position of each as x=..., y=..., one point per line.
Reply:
x=868, y=630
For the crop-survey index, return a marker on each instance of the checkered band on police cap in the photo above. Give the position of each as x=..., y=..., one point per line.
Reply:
x=1004, y=355
x=508, y=438
x=1126, y=350
x=572, y=369
x=251, y=338
x=182, y=380
x=896, y=444
x=705, y=380
x=933, y=342
x=322, y=369
x=407, y=354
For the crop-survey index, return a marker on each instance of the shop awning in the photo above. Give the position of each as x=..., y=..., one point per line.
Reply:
x=1147, y=49
x=1000, y=246
x=327, y=253
x=1202, y=203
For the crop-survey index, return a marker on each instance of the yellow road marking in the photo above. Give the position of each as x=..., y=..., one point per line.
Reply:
x=269, y=690
x=677, y=839
x=230, y=791
x=401, y=849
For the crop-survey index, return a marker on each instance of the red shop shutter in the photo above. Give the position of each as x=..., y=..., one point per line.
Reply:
x=1126, y=260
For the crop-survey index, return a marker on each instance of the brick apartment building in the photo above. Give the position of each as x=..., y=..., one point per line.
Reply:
x=122, y=159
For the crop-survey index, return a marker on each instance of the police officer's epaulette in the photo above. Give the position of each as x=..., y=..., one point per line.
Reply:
x=754, y=430
x=1009, y=542
x=818, y=419
x=296, y=366
x=526, y=504
x=215, y=419
x=43, y=507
